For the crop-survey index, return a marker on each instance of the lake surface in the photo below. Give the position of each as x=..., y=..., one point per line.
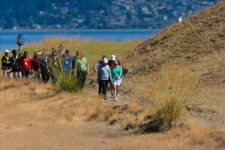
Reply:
x=8, y=38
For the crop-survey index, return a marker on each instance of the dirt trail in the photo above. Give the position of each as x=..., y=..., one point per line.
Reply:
x=27, y=122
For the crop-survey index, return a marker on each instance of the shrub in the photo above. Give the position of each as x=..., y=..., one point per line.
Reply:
x=66, y=81
x=167, y=89
x=169, y=111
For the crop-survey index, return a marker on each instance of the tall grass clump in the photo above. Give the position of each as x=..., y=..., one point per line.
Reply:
x=67, y=82
x=168, y=90
x=170, y=111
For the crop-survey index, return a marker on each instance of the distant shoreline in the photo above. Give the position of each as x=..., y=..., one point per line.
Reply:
x=84, y=30
x=8, y=37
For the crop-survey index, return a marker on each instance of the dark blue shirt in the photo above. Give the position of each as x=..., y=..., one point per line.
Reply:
x=67, y=63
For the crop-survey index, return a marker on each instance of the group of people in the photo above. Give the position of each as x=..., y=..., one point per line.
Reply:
x=43, y=66
x=109, y=71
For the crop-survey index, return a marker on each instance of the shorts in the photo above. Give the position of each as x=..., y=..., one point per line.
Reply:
x=116, y=82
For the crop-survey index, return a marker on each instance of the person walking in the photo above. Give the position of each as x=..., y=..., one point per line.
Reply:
x=81, y=69
x=116, y=72
x=14, y=64
x=100, y=63
x=6, y=64
x=111, y=61
x=111, y=65
x=104, y=77
x=44, y=69
x=35, y=67
x=96, y=65
x=26, y=65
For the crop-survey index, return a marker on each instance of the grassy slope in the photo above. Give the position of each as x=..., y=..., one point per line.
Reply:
x=188, y=56
x=197, y=42
x=92, y=49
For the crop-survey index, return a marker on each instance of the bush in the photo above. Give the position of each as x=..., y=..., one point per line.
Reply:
x=66, y=81
x=169, y=111
x=167, y=90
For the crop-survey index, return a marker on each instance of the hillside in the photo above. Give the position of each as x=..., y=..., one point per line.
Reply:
x=198, y=42
x=187, y=58
x=181, y=68
x=95, y=14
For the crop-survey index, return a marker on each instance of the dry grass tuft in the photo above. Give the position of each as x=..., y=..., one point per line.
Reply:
x=169, y=112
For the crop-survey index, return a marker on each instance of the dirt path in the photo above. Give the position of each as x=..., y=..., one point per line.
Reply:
x=78, y=135
x=28, y=123
x=208, y=105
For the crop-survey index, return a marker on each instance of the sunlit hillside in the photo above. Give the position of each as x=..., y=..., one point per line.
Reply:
x=172, y=98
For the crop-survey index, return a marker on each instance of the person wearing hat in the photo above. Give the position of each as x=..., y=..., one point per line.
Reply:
x=111, y=61
x=116, y=72
x=104, y=77
x=14, y=64
x=6, y=65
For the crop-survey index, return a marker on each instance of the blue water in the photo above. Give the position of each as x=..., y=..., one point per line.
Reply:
x=8, y=38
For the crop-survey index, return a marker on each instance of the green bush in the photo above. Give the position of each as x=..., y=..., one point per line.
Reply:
x=66, y=81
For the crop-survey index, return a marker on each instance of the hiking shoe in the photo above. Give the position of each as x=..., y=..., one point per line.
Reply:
x=115, y=98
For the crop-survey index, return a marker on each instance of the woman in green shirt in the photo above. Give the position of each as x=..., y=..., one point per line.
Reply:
x=116, y=72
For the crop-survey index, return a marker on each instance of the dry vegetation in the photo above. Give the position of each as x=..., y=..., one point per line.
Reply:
x=176, y=80
x=198, y=42
x=63, y=119
x=194, y=50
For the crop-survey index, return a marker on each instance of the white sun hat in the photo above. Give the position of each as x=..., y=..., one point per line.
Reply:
x=7, y=51
x=113, y=57
x=39, y=53
x=105, y=60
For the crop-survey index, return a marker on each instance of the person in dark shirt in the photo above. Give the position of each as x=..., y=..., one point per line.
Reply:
x=14, y=64
x=53, y=65
x=67, y=61
x=35, y=67
x=6, y=65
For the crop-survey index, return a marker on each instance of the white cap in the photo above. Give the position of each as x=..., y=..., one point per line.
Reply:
x=105, y=60
x=113, y=57
x=7, y=51
x=39, y=53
